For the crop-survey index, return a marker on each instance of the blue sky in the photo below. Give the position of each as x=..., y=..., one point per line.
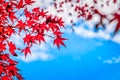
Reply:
x=88, y=55
x=83, y=59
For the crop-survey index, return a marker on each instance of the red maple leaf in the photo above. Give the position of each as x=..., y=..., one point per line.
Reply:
x=2, y=46
x=43, y=13
x=19, y=5
x=12, y=48
x=60, y=22
x=27, y=13
x=5, y=78
x=21, y=25
x=59, y=41
x=12, y=16
x=39, y=38
x=8, y=31
x=4, y=57
x=29, y=39
x=29, y=2
x=12, y=70
x=26, y=51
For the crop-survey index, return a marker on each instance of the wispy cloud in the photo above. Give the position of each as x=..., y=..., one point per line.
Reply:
x=36, y=56
x=100, y=34
x=90, y=33
x=112, y=60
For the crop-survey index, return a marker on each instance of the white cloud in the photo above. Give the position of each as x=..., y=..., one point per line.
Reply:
x=36, y=56
x=108, y=61
x=112, y=60
x=101, y=34
x=90, y=34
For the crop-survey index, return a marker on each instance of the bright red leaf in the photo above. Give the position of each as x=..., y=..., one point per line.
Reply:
x=2, y=47
x=12, y=48
x=26, y=51
x=29, y=2
x=59, y=41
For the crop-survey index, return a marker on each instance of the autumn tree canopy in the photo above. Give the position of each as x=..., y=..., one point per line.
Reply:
x=34, y=25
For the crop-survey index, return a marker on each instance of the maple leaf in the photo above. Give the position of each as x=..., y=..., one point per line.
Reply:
x=12, y=70
x=29, y=2
x=5, y=78
x=19, y=5
x=30, y=22
x=29, y=39
x=12, y=48
x=9, y=31
x=59, y=41
x=43, y=26
x=53, y=27
x=27, y=13
x=12, y=16
x=21, y=25
x=43, y=13
x=116, y=17
x=60, y=22
x=26, y=51
x=37, y=9
x=2, y=46
x=40, y=38
x=4, y=57
x=57, y=33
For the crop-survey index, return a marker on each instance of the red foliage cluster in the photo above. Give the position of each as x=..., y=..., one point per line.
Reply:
x=34, y=23
x=8, y=68
x=87, y=11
